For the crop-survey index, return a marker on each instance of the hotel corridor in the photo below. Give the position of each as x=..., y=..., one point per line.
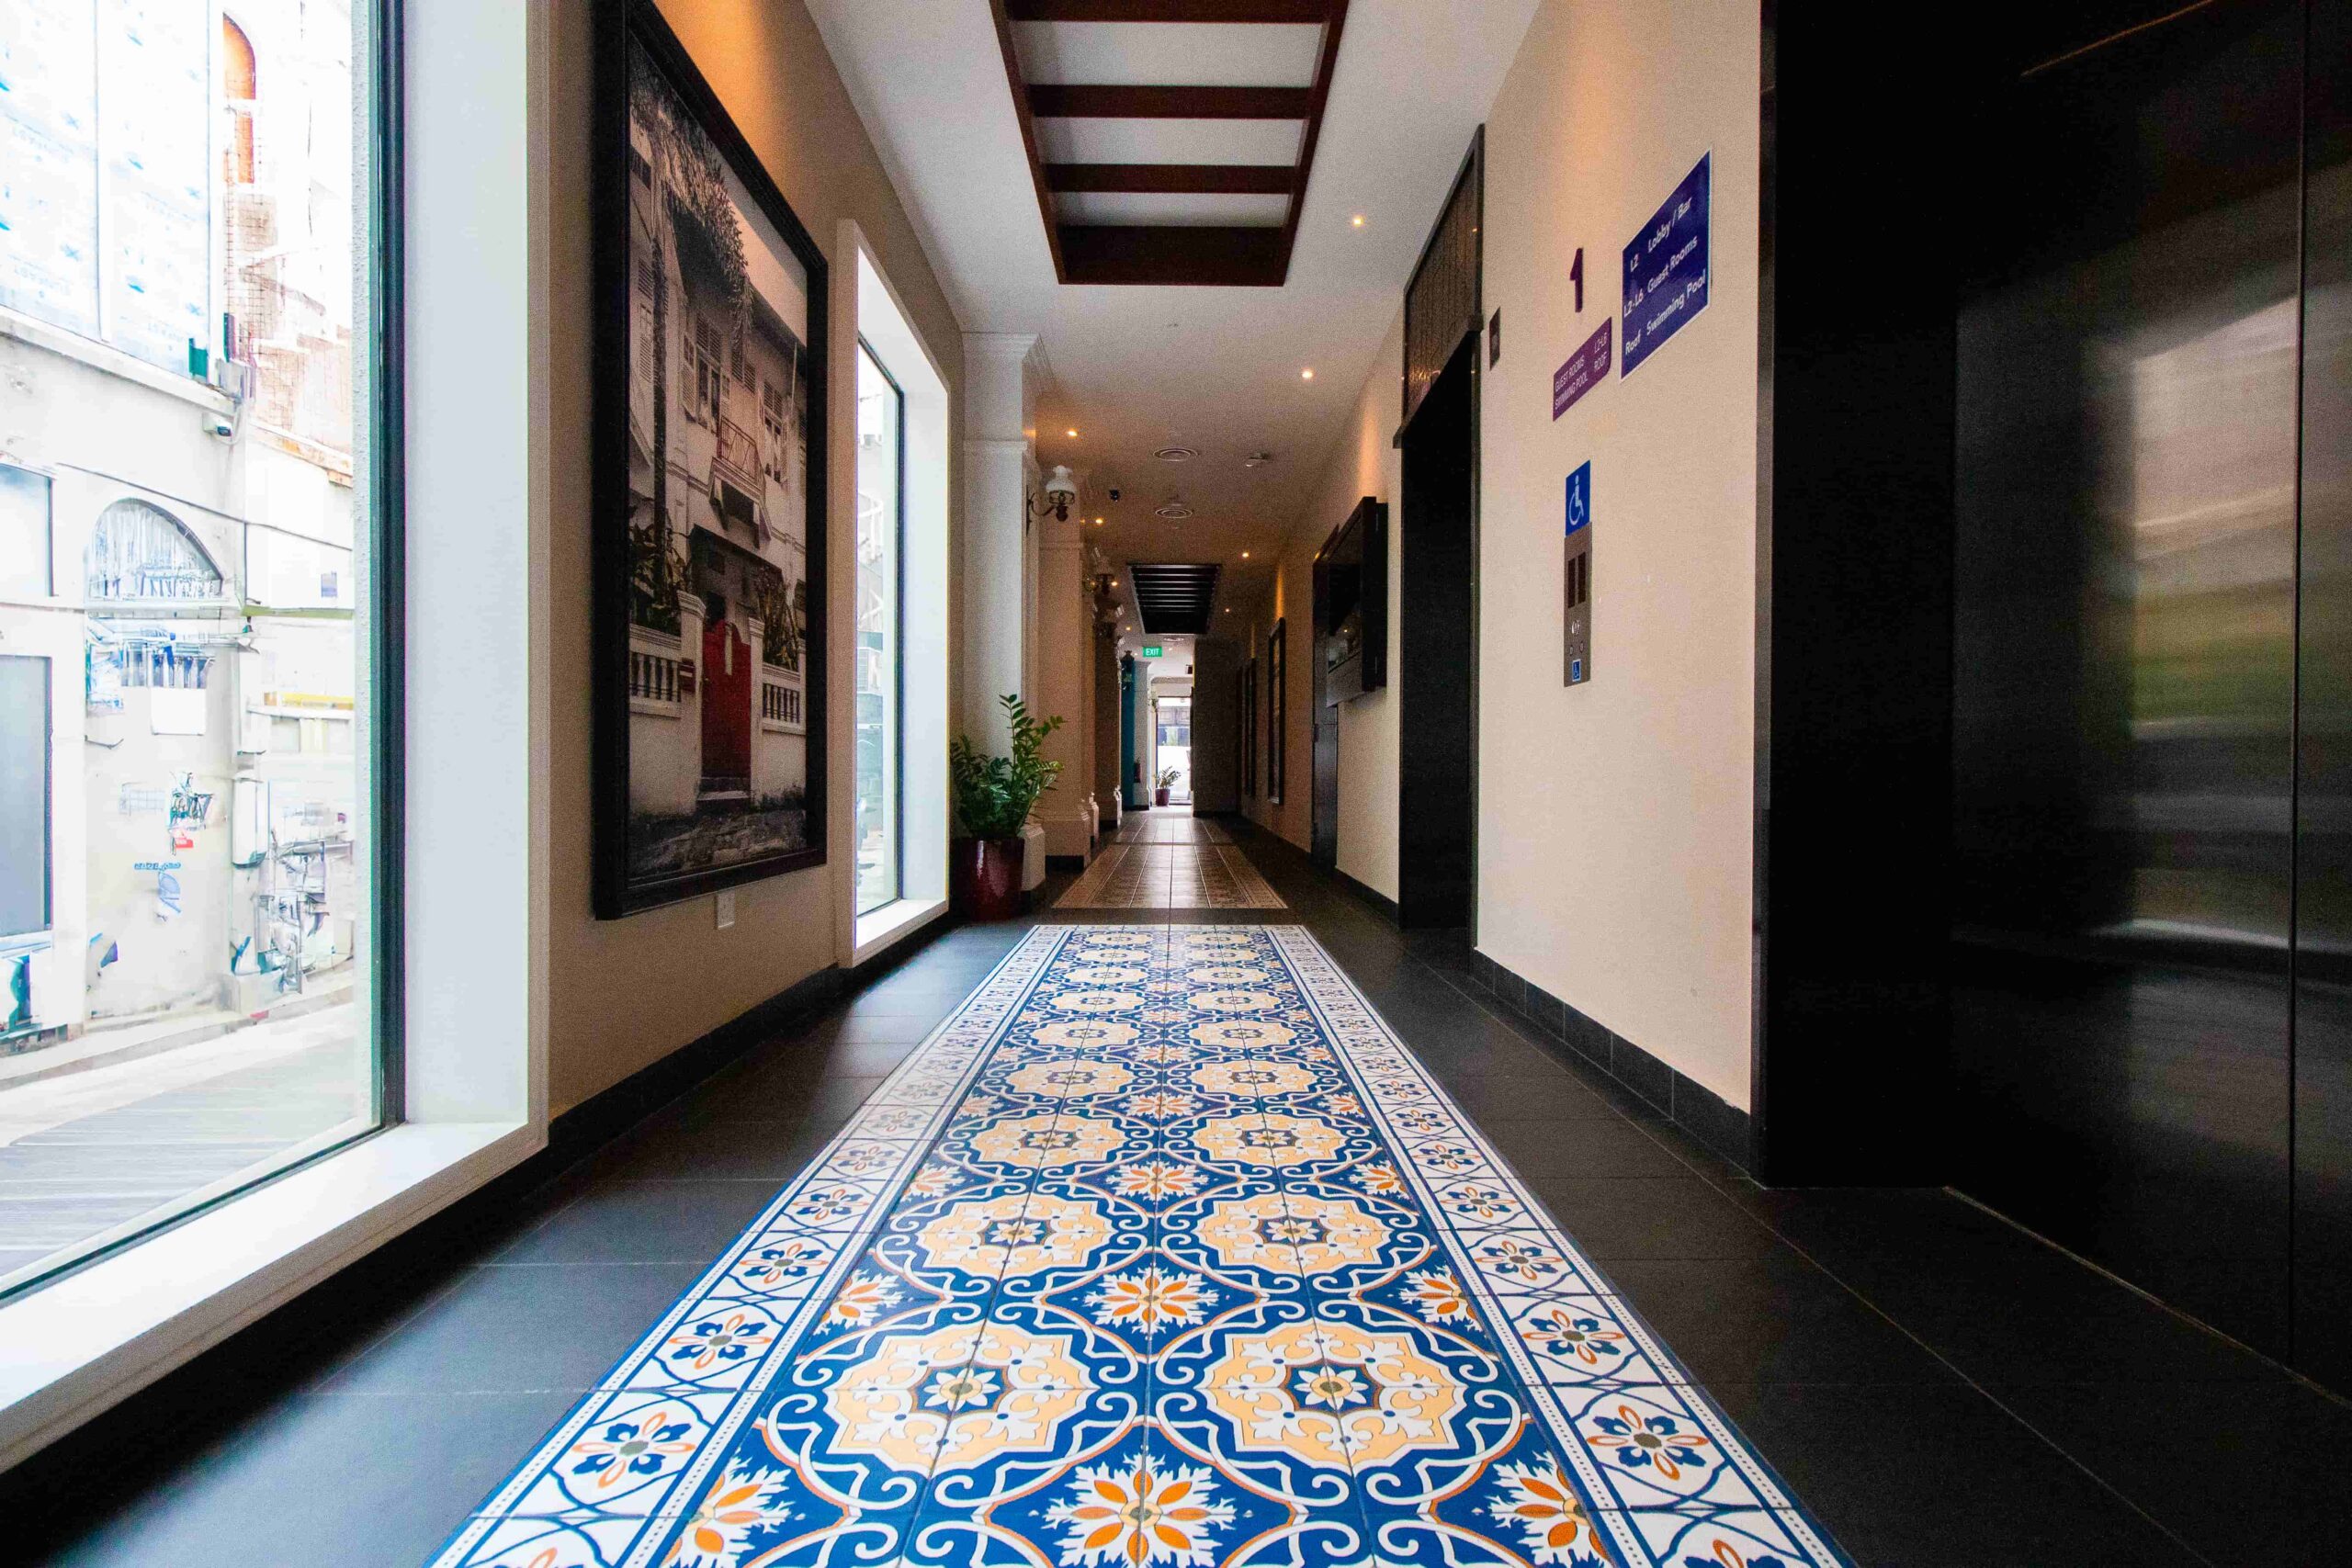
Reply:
x=1009, y=1217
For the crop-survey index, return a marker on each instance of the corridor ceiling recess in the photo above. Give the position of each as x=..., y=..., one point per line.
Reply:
x=1170, y=141
x=1213, y=366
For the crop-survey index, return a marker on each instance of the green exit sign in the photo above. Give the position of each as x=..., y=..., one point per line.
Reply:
x=1152, y=650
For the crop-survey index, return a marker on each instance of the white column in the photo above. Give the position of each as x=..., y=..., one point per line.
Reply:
x=996, y=452
x=1065, y=650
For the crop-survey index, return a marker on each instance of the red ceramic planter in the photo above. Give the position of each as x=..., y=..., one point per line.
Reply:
x=984, y=878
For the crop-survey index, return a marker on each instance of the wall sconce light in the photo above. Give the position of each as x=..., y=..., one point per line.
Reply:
x=1061, y=492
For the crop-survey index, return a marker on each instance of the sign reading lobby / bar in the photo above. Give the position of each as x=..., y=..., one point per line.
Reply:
x=1666, y=268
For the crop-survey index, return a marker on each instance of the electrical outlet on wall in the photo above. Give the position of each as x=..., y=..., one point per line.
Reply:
x=726, y=909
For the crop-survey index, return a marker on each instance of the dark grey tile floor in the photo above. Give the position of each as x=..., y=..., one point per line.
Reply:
x=1942, y=1390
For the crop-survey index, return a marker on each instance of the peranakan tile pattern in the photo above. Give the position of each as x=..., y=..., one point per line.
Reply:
x=1170, y=825
x=1171, y=877
x=1162, y=1250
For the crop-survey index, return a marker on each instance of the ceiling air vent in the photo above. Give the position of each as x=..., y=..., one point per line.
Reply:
x=1177, y=453
x=1175, y=511
x=1173, y=599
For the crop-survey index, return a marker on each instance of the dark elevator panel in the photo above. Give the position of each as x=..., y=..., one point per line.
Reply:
x=2323, y=1297
x=1437, y=730
x=2124, y=701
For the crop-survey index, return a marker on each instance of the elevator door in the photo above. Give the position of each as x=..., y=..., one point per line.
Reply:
x=1437, y=733
x=2124, y=700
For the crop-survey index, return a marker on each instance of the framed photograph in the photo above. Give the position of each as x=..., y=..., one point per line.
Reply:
x=1277, y=706
x=709, y=614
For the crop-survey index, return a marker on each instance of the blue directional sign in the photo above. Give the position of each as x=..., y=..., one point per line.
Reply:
x=1580, y=497
x=1666, y=269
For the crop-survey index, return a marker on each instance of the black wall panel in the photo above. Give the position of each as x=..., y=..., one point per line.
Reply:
x=2323, y=1193
x=2124, y=701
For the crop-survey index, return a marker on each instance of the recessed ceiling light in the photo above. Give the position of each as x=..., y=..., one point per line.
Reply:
x=1071, y=434
x=1245, y=555
x=1357, y=220
x=1307, y=373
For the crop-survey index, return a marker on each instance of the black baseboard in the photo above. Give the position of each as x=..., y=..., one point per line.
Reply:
x=1704, y=1114
x=1379, y=903
x=172, y=1417
x=1064, y=863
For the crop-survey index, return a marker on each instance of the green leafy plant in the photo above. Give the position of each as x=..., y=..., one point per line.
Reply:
x=993, y=795
x=1167, y=777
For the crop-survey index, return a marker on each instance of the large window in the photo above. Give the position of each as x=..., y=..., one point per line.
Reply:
x=881, y=541
x=192, y=599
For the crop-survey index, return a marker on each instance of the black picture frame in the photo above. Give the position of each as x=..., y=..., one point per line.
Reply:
x=1277, y=706
x=626, y=881
x=1246, y=708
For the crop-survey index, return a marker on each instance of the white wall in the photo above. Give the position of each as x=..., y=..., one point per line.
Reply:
x=1616, y=819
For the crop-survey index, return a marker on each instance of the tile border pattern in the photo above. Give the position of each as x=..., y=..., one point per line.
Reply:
x=1396, y=1087
x=832, y=1205
x=805, y=1242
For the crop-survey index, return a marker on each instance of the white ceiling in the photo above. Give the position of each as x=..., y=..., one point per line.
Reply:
x=1134, y=367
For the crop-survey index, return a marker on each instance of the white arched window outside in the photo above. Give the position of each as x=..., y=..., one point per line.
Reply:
x=141, y=554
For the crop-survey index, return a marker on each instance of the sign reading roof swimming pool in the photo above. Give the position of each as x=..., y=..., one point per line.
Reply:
x=1666, y=269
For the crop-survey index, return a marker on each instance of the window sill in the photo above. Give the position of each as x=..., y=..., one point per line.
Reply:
x=889, y=923
x=86, y=1340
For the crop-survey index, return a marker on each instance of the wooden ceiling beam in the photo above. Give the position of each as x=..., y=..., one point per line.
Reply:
x=1290, y=11
x=1170, y=252
x=1219, y=179
x=1106, y=100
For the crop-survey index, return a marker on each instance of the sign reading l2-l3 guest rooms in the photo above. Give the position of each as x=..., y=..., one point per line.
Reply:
x=1163, y=1250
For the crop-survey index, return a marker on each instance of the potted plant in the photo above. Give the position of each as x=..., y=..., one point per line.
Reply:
x=1166, y=781
x=993, y=798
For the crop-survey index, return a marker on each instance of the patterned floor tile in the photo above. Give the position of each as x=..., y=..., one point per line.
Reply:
x=1171, y=874
x=1161, y=1251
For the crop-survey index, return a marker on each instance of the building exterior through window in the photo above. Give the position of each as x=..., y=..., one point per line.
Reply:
x=183, y=591
x=881, y=540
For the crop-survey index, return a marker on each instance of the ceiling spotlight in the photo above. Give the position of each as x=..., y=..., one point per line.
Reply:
x=1114, y=583
x=1098, y=522
x=1307, y=373
x=1071, y=434
x=1245, y=555
x=1357, y=222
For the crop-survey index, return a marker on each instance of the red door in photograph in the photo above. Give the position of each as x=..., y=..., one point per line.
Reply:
x=726, y=705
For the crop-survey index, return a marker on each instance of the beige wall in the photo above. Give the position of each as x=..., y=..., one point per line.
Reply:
x=1614, y=822
x=1291, y=600
x=625, y=993
x=1362, y=462
x=1367, y=464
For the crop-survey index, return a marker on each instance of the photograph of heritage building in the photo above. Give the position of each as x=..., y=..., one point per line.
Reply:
x=719, y=498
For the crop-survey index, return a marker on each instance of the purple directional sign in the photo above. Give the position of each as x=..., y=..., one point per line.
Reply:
x=1666, y=268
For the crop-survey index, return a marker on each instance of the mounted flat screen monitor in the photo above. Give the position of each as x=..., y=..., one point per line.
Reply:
x=1352, y=604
